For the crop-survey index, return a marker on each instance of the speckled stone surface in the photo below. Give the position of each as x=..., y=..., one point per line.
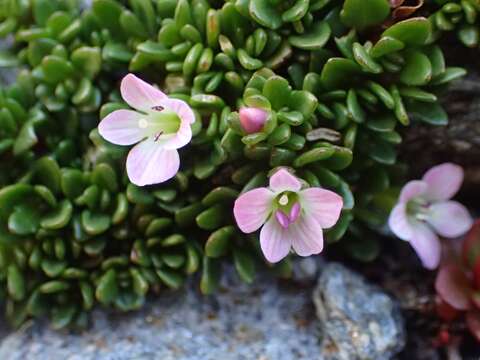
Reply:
x=359, y=321
x=265, y=321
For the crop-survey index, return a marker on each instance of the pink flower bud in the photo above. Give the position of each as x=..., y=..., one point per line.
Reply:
x=252, y=119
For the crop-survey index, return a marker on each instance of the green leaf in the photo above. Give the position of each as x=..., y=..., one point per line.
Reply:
x=23, y=221
x=386, y=45
x=359, y=15
x=313, y=40
x=58, y=218
x=107, y=288
x=430, y=113
x=339, y=73
x=413, y=31
x=245, y=265
x=15, y=283
x=265, y=13
x=219, y=241
x=417, y=69
x=94, y=223
x=87, y=60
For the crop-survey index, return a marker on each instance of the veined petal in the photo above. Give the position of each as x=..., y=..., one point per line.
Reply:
x=325, y=206
x=412, y=189
x=122, y=127
x=443, y=181
x=139, y=94
x=399, y=222
x=275, y=241
x=185, y=113
x=426, y=244
x=450, y=218
x=282, y=180
x=149, y=163
x=453, y=287
x=306, y=235
x=252, y=209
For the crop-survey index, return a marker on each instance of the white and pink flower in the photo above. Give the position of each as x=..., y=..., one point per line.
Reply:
x=159, y=124
x=424, y=210
x=290, y=217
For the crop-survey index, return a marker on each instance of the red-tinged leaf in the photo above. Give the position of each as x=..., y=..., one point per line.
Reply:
x=473, y=323
x=445, y=311
x=476, y=274
x=454, y=287
x=471, y=245
x=476, y=299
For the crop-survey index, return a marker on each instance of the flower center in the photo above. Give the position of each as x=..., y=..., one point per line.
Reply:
x=287, y=209
x=418, y=208
x=160, y=122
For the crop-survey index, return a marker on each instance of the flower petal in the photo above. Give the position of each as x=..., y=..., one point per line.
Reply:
x=252, y=119
x=453, y=287
x=184, y=133
x=443, y=181
x=252, y=209
x=412, y=189
x=139, y=94
x=282, y=180
x=275, y=241
x=121, y=127
x=399, y=222
x=325, y=206
x=450, y=218
x=306, y=235
x=149, y=163
x=426, y=244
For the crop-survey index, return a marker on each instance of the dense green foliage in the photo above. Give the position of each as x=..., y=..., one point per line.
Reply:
x=338, y=84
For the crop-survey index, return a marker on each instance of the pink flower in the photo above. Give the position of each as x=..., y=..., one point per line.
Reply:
x=291, y=217
x=160, y=125
x=424, y=210
x=252, y=119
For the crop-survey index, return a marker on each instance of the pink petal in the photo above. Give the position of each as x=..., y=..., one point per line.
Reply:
x=306, y=235
x=412, y=189
x=252, y=209
x=121, y=127
x=275, y=241
x=450, y=219
x=426, y=244
x=149, y=163
x=184, y=133
x=252, y=119
x=453, y=287
x=443, y=181
x=294, y=212
x=282, y=180
x=399, y=222
x=139, y=94
x=325, y=206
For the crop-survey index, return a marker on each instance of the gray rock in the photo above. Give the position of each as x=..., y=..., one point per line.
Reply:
x=359, y=321
x=264, y=321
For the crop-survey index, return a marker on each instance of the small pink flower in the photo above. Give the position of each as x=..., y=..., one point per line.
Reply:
x=424, y=210
x=160, y=125
x=291, y=217
x=252, y=119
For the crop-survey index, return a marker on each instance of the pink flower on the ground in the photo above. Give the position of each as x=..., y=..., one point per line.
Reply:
x=290, y=216
x=160, y=125
x=424, y=210
x=252, y=119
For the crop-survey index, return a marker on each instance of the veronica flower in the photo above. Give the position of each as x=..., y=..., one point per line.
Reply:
x=252, y=119
x=424, y=210
x=160, y=125
x=290, y=216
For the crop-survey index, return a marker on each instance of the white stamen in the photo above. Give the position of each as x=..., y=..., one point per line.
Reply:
x=283, y=200
x=142, y=123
